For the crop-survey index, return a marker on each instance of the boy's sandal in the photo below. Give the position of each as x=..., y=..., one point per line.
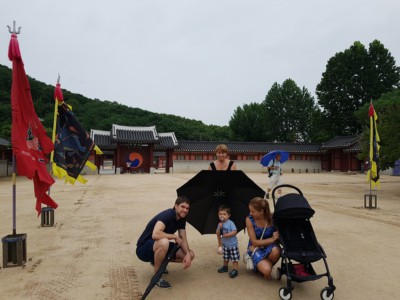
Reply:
x=233, y=273
x=223, y=269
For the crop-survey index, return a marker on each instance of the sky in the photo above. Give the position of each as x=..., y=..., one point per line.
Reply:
x=198, y=59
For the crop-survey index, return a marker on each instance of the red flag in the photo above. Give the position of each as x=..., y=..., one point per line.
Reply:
x=29, y=140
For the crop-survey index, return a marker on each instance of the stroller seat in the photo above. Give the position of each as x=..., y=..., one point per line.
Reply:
x=299, y=241
x=292, y=214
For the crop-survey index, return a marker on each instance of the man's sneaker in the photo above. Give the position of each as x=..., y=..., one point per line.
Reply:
x=162, y=283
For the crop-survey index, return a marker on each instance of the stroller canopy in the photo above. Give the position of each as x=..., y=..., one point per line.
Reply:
x=293, y=206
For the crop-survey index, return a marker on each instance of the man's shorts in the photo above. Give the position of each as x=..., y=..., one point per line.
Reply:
x=145, y=252
x=275, y=180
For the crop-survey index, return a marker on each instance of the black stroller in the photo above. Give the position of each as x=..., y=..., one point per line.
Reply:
x=292, y=214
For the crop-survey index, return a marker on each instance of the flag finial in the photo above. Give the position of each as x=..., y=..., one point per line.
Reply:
x=14, y=31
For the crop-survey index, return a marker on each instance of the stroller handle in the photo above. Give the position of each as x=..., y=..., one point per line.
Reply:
x=284, y=186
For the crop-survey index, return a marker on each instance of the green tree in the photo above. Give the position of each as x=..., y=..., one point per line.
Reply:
x=352, y=78
x=385, y=75
x=388, y=110
x=290, y=112
x=5, y=102
x=248, y=123
x=319, y=132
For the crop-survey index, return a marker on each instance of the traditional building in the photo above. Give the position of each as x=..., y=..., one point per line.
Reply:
x=342, y=154
x=193, y=156
x=4, y=145
x=143, y=150
x=5, y=157
x=134, y=149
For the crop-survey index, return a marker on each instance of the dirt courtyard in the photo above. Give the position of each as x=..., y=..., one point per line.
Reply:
x=89, y=253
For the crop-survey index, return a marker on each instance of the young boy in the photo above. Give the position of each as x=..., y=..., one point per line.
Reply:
x=230, y=248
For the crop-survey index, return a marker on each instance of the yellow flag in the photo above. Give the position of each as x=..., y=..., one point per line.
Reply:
x=374, y=145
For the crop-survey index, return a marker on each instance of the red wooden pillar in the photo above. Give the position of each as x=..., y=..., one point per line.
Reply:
x=150, y=157
x=116, y=160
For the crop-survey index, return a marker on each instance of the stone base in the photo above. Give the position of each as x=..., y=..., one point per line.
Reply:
x=14, y=250
x=372, y=201
x=47, y=217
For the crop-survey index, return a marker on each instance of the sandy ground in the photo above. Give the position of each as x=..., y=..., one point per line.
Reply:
x=90, y=252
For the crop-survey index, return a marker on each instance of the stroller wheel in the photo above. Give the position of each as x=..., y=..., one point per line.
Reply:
x=325, y=292
x=278, y=273
x=285, y=294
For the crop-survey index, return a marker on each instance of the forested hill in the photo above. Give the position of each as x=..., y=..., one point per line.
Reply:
x=97, y=114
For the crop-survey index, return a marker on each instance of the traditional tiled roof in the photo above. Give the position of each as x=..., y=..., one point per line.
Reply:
x=167, y=140
x=247, y=147
x=142, y=135
x=355, y=148
x=134, y=135
x=102, y=139
x=4, y=142
x=340, y=142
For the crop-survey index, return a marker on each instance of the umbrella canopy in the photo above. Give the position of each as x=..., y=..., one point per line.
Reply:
x=271, y=155
x=207, y=190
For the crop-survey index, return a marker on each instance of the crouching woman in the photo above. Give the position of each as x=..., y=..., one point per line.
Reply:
x=263, y=237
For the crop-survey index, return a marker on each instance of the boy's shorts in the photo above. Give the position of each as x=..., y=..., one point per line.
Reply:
x=231, y=253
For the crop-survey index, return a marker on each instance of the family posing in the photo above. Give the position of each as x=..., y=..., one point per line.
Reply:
x=169, y=227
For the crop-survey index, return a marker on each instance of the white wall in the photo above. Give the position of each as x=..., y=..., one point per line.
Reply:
x=3, y=168
x=194, y=166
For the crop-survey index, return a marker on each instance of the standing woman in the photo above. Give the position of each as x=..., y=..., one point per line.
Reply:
x=221, y=164
x=262, y=237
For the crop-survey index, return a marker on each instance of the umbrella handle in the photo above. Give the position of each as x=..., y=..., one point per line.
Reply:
x=171, y=253
x=284, y=186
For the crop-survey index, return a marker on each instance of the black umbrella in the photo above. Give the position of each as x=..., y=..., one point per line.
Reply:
x=207, y=190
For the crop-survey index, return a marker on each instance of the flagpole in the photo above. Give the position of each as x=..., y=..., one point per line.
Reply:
x=14, y=245
x=370, y=165
x=47, y=218
x=14, y=192
x=370, y=183
x=370, y=169
x=14, y=175
x=373, y=171
x=370, y=190
x=53, y=135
